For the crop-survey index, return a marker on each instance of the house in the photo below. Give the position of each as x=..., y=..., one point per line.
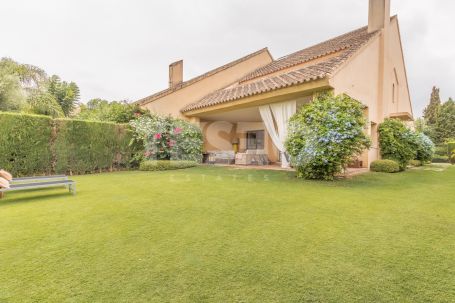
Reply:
x=245, y=104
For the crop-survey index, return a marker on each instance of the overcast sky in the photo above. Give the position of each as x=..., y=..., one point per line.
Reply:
x=121, y=49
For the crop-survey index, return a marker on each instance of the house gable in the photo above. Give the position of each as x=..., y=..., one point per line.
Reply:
x=172, y=100
x=385, y=92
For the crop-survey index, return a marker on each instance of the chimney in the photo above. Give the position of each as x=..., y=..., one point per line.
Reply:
x=378, y=15
x=175, y=74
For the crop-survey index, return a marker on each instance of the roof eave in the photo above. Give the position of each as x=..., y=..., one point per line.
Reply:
x=281, y=94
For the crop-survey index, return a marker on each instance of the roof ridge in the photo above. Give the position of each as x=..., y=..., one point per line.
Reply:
x=202, y=76
x=343, y=47
x=344, y=39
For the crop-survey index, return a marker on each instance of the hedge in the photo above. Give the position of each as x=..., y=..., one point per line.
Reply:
x=385, y=166
x=440, y=159
x=25, y=144
x=159, y=165
x=88, y=146
x=415, y=163
x=38, y=145
x=450, y=147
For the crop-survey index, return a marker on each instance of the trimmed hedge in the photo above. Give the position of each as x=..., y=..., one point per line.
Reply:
x=385, y=166
x=450, y=147
x=415, y=163
x=38, y=145
x=159, y=165
x=440, y=159
x=25, y=144
x=88, y=146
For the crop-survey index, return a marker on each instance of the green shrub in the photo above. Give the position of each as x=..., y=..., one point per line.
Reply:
x=88, y=146
x=424, y=147
x=450, y=147
x=441, y=150
x=385, y=166
x=325, y=135
x=159, y=165
x=415, y=163
x=25, y=144
x=452, y=158
x=440, y=159
x=167, y=138
x=397, y=142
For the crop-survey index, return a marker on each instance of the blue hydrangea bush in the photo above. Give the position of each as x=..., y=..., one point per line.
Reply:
x=425, y=148
x=325, y=135
x=400, y=143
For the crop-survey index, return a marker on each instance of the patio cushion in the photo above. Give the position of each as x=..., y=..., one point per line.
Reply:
x=4, y=183
x=6, y=175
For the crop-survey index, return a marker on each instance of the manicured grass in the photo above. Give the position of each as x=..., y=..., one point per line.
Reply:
x=220, y=235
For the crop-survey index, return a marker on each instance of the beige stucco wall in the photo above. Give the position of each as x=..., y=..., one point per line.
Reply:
x=363, y=78
x=174, y=102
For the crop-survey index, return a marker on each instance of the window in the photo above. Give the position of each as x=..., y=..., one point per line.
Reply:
x=255, y=139
x=393, y=93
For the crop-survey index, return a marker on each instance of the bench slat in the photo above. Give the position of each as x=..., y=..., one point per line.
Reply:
x=38, y=178
x=38, y=185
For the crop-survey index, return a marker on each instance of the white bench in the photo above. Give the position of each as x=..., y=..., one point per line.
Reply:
x=40, y=182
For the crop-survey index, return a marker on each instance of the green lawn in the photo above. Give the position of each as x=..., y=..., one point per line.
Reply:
x=212, y=234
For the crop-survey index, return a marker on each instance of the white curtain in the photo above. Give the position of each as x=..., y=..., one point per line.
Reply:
x=282, y=112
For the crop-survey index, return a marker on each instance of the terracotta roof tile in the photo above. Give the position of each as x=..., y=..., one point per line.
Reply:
x=260, y=80
x=319, y=50
x=198, y=78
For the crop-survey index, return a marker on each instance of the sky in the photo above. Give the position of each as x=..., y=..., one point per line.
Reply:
x=120, y=50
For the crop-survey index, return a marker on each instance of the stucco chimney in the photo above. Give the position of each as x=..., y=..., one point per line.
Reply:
x=175, y=73
x=378, y=15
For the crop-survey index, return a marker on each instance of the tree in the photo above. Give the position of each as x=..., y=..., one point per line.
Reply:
x=43, y=103
x=420, y=125
x=325, y=135
x=12, y=96
x=431, y=112
x=16, y=82
x=445, y=125
x=397, y=142
x=29, y=75
x=66, y=94
x=116, y=111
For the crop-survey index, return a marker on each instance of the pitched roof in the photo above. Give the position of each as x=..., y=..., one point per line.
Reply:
x=265, y=79
x=199, y=78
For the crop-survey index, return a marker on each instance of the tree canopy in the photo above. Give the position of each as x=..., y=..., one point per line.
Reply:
x=25, y=87
x=439, y=119
x=116, y=111
x=432, y=110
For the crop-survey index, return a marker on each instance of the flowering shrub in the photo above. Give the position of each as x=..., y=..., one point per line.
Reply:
x=425, y=148
x=325, y=135
x=168, y=138
x=399, y=143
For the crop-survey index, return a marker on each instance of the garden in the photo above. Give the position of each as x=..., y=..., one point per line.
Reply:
x=212, y=234
x=150, y=223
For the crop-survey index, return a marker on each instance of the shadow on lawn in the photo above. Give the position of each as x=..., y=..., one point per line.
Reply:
x=33, y=195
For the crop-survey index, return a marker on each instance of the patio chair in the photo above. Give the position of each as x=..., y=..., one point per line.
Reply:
x=221, y=157
x=252, y=157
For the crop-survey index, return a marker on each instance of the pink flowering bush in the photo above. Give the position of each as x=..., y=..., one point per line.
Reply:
x=167, y=138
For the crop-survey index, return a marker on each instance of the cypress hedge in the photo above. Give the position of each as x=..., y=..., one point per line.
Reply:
x=25, y=144
x=38, y=145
